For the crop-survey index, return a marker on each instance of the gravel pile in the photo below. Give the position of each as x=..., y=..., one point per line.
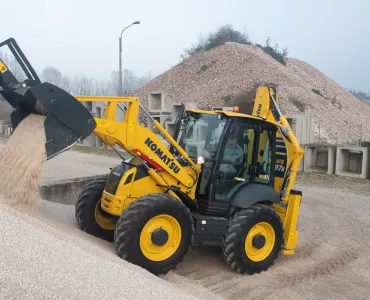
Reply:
x=211, y=77
x=44, y=256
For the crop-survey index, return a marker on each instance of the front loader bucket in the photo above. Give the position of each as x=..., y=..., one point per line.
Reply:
x=67, y=120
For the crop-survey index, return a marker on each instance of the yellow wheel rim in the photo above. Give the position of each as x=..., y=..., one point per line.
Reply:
x=266, y=230
x=173, y=229
x=103, y=221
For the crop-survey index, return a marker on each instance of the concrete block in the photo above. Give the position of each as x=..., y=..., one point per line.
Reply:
x=5, y=110
x=2, y=123
x=64, y=191
x=161, y=118
x=8, y=130
x=175, y=111
x=98, y=142
x=224, y=108
x=170, y=127
x=161, y=102
x=168, y=101
x=303, y=128
x=155, y=102
x=353, y=161
x=319, y=158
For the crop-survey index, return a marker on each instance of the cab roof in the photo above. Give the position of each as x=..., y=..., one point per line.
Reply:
x=232, y=114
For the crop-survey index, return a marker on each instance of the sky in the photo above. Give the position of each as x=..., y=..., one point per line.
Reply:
x=81, y=36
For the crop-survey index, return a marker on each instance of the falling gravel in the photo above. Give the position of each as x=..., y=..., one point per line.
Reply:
x=21, y=164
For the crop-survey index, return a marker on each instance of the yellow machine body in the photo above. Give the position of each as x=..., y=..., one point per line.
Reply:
x=145, y=145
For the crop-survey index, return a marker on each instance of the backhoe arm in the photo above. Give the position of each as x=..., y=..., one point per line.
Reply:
x=266, y=107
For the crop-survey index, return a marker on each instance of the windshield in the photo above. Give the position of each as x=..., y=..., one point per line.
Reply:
x=201, y=135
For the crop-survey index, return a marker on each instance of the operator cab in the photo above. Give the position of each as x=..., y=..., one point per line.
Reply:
x=237, y=151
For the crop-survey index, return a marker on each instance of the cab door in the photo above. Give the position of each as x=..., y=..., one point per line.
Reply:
x=252, y=158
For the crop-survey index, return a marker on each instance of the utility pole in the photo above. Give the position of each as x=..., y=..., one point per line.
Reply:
x=120, y=84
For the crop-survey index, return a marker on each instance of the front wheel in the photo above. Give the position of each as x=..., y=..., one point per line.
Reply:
x=89, y=215
x=254, y=239
x=155, y=233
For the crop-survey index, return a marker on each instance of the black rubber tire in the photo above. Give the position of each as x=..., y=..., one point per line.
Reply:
x=234, y=240
x=134, y=218
x=85, y=209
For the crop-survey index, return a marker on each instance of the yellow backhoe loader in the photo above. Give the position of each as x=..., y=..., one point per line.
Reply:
x=225, y=179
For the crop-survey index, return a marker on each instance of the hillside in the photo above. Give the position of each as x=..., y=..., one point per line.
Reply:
x=209, y=78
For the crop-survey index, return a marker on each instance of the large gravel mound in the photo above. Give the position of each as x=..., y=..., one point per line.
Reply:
x=208, y=78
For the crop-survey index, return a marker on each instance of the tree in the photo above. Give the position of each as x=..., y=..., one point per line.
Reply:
x=360, y=95
x=221, y=36
x=52, y=75
x=13, y=65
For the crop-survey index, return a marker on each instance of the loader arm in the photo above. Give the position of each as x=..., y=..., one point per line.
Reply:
x=141, y=142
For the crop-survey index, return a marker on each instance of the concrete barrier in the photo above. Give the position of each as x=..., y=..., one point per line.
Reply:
x=353, y=161
x=2, y=123
x=65, y=191
x=319, y=158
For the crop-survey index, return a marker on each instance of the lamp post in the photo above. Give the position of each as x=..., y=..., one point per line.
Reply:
x=120, y=58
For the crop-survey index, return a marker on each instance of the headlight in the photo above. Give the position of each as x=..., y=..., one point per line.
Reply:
x=201, y=160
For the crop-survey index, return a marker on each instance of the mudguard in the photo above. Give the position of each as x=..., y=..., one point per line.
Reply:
x=251, y=193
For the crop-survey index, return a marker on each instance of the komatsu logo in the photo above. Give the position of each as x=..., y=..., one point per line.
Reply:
x=159, y=152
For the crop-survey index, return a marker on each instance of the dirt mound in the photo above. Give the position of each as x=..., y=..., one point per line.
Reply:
x=215, y=77
x=21, y=163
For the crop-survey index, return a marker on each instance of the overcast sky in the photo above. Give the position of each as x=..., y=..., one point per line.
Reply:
x=81, y=36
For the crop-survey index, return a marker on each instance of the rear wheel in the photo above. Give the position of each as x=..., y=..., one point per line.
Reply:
x=155, y=233
x=89, y=215
x=254, y=239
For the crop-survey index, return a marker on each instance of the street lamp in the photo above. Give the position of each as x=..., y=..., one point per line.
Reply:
x=120, y=57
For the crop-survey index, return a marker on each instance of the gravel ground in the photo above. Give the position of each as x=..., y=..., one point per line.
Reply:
x=331, y=261
x=73, y=164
